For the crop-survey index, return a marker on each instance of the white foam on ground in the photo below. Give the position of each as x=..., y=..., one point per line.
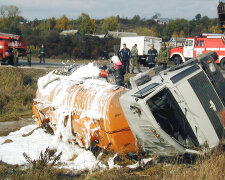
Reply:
x=39, y=140
x=35, y=143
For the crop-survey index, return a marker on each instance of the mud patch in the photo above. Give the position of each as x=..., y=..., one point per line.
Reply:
x=11, y=126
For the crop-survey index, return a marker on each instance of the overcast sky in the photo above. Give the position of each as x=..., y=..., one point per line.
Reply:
x=42, y=9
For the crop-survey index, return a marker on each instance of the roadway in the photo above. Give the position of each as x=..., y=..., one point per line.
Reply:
x=38, y=65
x=56, y=65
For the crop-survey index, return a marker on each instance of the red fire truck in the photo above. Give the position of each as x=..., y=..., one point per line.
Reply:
x=200, y=45
x=7, y=42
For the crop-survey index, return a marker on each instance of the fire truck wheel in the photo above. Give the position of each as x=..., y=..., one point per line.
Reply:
x=177, y=60
x=222, y=63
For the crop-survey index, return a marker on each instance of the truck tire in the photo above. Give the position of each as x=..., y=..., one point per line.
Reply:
x=177, y=60
x=222, y=63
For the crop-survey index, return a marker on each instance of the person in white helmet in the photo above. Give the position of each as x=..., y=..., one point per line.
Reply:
x=117, y=70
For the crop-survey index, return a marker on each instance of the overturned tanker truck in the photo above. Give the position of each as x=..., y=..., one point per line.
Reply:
x=177, y=111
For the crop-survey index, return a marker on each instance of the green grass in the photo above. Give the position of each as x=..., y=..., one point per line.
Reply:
x=17, y=90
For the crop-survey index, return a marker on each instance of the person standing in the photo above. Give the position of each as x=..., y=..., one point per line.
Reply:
x=29, y=52
x=134, y=59
x=124, y=55
x=15, y=56
x=163, y=56
x=42, y=53
x=152, y=54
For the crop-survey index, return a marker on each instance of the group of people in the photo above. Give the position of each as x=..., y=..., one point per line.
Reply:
x=130, y=57
x=127, y=57
x=41, y=55
x=161, y=58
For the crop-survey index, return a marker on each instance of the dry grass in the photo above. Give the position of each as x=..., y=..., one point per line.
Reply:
x=17, y=90
x=209, y=167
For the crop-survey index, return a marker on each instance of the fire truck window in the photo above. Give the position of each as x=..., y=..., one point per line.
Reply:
x=186, y=43
x=190, y=42
x=201, y=43
x=198, y=43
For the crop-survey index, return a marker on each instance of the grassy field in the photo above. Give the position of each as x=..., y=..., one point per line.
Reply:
x=17, y=90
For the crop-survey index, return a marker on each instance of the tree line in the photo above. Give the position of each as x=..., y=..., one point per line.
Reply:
x=87, y=46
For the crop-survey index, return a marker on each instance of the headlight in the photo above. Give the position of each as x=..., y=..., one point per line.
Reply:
x=212, y=67
x=1, y=47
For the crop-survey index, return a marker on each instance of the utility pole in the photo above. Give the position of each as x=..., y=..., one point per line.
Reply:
x=188, y=29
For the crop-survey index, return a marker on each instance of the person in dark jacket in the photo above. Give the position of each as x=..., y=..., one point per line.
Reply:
x=125, y=55
x=42, y=53
x=118, y=71
x=152, y=54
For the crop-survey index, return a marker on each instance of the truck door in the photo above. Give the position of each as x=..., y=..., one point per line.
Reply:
x=200, y=47
x=189, y=48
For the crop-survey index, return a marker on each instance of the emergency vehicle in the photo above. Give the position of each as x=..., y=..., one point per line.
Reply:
x=7, y=42
x=199, y=45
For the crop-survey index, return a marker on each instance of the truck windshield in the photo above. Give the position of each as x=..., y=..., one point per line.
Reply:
x=172, y=120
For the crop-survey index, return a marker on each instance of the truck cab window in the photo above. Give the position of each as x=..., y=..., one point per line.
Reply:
x=190, y=42
x=186, y=43
x=170, y=117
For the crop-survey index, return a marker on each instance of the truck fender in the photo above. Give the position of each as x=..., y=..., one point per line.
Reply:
x=220, y=58
x=177, y=54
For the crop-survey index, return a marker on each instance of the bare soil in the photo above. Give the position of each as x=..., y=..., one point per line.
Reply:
x=11, y=126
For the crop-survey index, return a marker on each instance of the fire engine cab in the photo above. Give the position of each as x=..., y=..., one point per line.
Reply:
x=7, y=42
x=200, y=45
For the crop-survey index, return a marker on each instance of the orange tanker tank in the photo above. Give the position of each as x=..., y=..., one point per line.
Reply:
x=88, y=113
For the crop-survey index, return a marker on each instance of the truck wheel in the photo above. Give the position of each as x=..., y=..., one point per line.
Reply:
x=177, y=60
x=222, y=63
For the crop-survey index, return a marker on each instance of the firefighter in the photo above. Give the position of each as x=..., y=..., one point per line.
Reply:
x=42, y=53
x=163, y=56
x=134, y=59
x=152, y=55
x=29, y=52
x=124, y=55
x=15, y=56
x=117, y=70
